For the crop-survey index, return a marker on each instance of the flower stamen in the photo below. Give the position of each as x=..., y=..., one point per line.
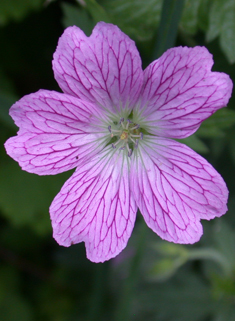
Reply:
x=127, y=135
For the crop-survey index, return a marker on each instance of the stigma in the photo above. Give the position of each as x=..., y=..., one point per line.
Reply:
x=126, y=135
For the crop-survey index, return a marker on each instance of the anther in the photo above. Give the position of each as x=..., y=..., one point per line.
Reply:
x=127, y=135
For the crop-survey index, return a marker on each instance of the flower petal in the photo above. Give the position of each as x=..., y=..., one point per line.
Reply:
x=174, y=188
x=103, y=68
x=95, y=206
x=180, y=91
x=55, y=132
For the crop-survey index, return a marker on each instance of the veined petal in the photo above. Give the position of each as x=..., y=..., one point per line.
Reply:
x=56, y=132
x=174, y=188
x=103, y=68
x=180, y=91
x=95, y=206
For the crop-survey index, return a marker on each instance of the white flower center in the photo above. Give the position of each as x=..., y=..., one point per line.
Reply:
x=127, y=135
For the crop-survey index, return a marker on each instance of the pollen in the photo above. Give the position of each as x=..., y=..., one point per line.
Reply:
x=125, y=135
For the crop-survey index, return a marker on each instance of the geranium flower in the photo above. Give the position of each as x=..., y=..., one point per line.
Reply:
x=114, y=123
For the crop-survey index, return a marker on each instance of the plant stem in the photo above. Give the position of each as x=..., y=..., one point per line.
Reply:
x=123, y=310
x=168, y=27
x=214, y=255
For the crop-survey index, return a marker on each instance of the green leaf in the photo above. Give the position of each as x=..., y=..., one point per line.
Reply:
x=227, y=313
x=168, y=27
x=188, y=299
x=25, y=198
x=77, y=16
x=174, y=256
x=17, y=10
x=165, y=268
x=222, y=24
x=171, y=249
x=215, y=124
x=215, y=20
x=227, y=38
x=184, y=297
x=203, y=14
x=195, y=143
x=97, y=12
x=137, y=18
x=223, y=286
x=224, y=239
x=189, y=20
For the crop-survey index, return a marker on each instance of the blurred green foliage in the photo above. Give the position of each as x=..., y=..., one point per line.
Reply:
x=222, y=24
x=17, y=10
x=39, y=280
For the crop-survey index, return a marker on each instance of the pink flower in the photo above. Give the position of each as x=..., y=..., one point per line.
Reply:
x=114, y=123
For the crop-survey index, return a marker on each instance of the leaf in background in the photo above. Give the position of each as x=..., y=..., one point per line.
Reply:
x=184, y=297
x=222, y=24
x=189, y=19
x=164, y=269
x=224, y=239
x=227, y=38
x=223, y=285
x=203, y=14
x=97, y=12
x=189, y=299
x=137, y=18
x=173, y=256
x=214, y=125
x=17, y=9
x=227, y=313
x=195, y=143
x=77, y=16
x=215, y=20
x=168, y=26
x=25, y=198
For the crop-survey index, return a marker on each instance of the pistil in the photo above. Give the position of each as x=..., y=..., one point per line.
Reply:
x=127, y=135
